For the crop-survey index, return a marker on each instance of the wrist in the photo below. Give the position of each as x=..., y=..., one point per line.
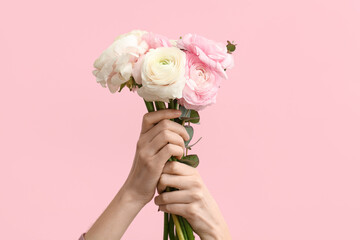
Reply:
x=129, y=195
x=216, y=235
x=220, y=231
x=116, y=218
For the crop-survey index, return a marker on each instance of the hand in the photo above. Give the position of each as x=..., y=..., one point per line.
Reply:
x=192, y=201
x=160, y=138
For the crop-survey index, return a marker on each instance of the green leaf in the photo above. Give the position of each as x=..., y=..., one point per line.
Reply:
x=122, y=86
x=194, y=117
x=189, y=115
x=190, y=131
x=185, y=113
x=191, y=160
x=230, y=47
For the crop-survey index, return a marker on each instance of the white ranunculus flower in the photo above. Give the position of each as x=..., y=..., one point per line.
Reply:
x=163, y=74
x=115, y=64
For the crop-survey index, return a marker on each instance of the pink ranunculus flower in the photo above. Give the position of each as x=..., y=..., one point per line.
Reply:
x=202, y=84
x=156, y=40
x=213, y=54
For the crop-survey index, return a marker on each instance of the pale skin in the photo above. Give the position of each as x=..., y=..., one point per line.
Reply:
x=161, y=138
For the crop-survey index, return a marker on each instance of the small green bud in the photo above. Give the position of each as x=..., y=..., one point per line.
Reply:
x=230, y=47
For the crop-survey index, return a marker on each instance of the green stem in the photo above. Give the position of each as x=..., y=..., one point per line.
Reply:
x=180, y=234
x=149, y=106
x=160, y=105
x=183, y=227
x=176, y=105
x=171, y=229
x=189, y=230
x=171, y=104
x=166, y=226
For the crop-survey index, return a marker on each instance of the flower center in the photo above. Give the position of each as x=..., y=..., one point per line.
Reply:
x=165, y=61
x=202, y=75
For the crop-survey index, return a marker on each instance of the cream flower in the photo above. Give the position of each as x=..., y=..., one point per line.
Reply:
x=115, y=64
x=162, y=74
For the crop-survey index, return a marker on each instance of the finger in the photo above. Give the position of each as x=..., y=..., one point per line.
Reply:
x=167, y=151
x=178, y=168
x=176, y=181
x=184, y=196
x=180, y=209
x=151, y=118
x=163, y=138
x=169, y=125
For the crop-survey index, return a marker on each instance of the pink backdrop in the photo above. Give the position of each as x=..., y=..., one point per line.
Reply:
x=280, y=150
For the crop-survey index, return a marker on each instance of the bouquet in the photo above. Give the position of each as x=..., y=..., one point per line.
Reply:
x=180, y=74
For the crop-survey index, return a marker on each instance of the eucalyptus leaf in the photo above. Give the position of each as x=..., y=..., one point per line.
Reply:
x=185, y=113
x=189, y=115
x=191, y=160
x=194, y=117
x=190, y=131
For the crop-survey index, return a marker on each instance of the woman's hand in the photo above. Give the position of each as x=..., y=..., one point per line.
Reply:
x=160, y=138
x=193, y=201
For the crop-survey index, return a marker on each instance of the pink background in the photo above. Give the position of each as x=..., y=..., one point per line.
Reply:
x=280, y=149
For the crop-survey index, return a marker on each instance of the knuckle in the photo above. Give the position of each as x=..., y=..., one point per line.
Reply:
x=169, y=148
x=162, y=179
x=166, y=134
x=195, y=173
x=142, y=155
x=197, y=182
x=164, y=198
x=167, y=208
x=198, y=195
x=191, y=211
x=173, y=166
x=164, y=123
x=146, y=118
